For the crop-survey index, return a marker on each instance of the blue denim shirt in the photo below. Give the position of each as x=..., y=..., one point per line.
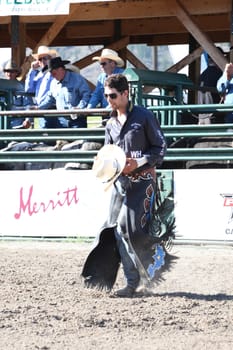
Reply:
x=38, y=83
x=225, y=87
x=97, y=97
x=19, y=102
x=72, y=91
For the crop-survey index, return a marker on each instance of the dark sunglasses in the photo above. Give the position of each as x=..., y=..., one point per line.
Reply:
x=103, y=64
x=45, y=58
x=11, y=71
x=113, y=96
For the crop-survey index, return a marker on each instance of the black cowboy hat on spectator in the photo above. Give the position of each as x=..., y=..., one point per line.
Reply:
x=57, y=62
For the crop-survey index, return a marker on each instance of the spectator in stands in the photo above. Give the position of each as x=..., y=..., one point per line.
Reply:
x=38, y=81
x=208, y=93
x=110, y=64
x=68, y=90
x=20, y=101
x=225, y=88
x=209, y=77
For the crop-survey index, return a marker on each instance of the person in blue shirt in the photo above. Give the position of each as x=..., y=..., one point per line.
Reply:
x=110, y=63
x=68, y=89
x=38, y=80
x=225, y=88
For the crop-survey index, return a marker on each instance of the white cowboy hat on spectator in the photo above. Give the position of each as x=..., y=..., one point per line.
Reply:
x=72, y=68
x=109, y=164
x=44, y=51
x=11, y=66
x=110, y=55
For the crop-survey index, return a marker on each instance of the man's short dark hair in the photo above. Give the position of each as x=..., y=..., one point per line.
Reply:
x=118, y=82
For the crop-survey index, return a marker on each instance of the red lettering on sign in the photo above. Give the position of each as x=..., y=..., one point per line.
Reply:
x=228, y=202
x=28, y=205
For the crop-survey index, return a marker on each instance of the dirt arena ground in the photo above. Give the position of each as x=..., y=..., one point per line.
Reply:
x=43, y=304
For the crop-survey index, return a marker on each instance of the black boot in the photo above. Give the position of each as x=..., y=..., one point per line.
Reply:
x=126, y=292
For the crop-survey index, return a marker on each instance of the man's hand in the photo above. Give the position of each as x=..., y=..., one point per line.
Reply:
x=130, y=165
x=35, y=64
x=26, y=124
x=229, y=70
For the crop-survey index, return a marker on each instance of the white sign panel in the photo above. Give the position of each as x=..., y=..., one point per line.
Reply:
x=37, y=7
x=50, y=203
x=204, y=204
x=34, y=7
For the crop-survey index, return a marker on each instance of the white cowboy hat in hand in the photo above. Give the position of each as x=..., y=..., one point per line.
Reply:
x=109, y=164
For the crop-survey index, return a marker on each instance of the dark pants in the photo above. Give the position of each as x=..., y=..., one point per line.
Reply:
x=63, y=122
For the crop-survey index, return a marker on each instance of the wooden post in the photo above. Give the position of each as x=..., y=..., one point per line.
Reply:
x=194, y=70
x=18, y=50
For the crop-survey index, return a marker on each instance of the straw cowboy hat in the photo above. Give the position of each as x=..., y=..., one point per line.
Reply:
x=110, y=55
x=11, y=66
x=44, y=51
x=72, y=68
x=109, y=164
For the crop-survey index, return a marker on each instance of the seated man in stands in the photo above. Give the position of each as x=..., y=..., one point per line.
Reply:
x=38, y=80
x=225, y=88
x=110, y=63
x=68, y=90
x=208, y=93
x=20, y=101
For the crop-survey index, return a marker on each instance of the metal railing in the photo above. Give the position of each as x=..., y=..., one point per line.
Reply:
x=97, y=134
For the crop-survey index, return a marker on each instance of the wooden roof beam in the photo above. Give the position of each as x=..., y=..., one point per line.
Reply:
x=53, y=31
x=143, y=8
x=129, y=9
x=185, y=61
x=134, y=60
x=183, y=15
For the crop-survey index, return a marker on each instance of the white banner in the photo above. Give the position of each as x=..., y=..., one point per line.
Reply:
x=37, y=7
x=65, y=203
x=34, y=7
x=50, y=203
x=204, y=204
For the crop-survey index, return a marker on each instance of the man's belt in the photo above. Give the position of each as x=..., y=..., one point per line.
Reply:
x=145, y=173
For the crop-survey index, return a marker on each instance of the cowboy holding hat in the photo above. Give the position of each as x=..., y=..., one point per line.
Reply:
x=110, y=63
x=38, y=80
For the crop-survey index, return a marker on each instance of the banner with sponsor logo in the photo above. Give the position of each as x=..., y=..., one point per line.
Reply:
x=51, y=203
x=204, y=204
x=66, y=203
x=37, y=7
x=34, y=7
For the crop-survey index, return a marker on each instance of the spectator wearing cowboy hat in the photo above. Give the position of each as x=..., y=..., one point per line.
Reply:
x=38, y=80
x=68, y=90
x=110, y=64
x=20, y=101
